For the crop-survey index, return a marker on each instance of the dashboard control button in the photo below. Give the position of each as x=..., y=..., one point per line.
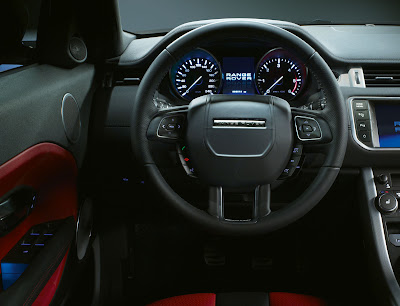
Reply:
x=397, y=194
x=394, y=239
x=364, y=136
x=361, y=115
x=387, y=203
x=363, y=125
x=360, y=105
x=382, y=179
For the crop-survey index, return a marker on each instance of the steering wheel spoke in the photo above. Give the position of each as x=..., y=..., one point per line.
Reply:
x=168, y=125
x=311, y=127
x=253, y=205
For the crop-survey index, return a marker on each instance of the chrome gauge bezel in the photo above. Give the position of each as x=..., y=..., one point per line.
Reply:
x=183, y=59
x=287, y=55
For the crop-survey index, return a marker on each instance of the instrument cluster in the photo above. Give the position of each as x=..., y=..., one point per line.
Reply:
x=277, y=72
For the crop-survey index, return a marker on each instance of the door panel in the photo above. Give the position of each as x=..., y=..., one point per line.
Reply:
x=36, y=153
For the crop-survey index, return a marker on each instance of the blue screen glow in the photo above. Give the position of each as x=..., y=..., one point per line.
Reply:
x=6, y=67
x=238, y=75
x=388, y=120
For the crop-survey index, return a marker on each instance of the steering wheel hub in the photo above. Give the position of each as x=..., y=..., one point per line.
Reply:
x=239, y=141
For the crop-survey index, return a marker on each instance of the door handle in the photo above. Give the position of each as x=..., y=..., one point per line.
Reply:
x=15, y=206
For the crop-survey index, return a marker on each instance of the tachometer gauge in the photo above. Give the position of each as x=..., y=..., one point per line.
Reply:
x=196, y=74
x=279, y=74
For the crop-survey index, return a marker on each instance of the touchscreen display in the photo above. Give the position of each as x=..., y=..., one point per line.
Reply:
x=238, y=75
x=388, y=121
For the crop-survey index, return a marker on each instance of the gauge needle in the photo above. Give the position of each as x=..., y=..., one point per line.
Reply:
x=273, y=85
x=195, y=82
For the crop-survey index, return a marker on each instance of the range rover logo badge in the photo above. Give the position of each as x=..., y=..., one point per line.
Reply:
x=241, y=123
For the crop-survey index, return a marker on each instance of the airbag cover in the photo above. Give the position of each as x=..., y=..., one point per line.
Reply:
x=239, y=141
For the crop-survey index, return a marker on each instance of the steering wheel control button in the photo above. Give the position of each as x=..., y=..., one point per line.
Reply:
x=360, y=105
x=288, y=171
x=297, y=149
x=183, y=153
x=294, y=161
x=307, y=128
x=387, y=203
x=171, y=127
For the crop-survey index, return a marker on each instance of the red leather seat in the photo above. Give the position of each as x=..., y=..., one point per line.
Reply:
x=242, y=299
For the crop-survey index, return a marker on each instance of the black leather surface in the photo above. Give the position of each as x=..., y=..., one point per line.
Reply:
x=348, y=45
x=359, y=43
x=30, y=107
x=25, y=290
x=242, y=299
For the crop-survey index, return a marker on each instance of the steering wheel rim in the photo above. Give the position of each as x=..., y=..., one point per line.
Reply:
x=335, y=114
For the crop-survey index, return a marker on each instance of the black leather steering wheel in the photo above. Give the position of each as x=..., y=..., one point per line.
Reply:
x=268, y=146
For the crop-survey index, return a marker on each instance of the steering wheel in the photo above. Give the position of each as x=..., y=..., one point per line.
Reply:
x=242, y=141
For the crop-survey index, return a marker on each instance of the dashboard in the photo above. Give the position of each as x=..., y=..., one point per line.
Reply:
x=369, y=74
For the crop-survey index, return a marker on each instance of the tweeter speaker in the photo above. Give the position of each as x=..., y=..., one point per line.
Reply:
x=77, y=50
x=71, y=118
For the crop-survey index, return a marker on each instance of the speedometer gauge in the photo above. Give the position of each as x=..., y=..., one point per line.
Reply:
x=196, y=74
x=279, y=74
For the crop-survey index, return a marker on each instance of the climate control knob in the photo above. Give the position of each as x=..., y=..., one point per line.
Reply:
x=387, y=203
x=382, y=179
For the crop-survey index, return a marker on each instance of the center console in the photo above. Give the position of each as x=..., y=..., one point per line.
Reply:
x=379, y=197
x=375, y=122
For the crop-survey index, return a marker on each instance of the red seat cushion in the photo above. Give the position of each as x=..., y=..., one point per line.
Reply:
x=292, y=299
x=198, y=299
x=209, y=299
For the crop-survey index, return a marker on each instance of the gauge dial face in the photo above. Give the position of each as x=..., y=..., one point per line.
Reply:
x=196, y=74
x=279, y=74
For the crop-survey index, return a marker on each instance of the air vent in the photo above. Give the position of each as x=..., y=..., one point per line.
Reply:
x=382, y=77
x=124, y=78
x=128, y=81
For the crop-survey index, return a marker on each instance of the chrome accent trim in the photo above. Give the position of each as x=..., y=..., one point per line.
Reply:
x=241, y=221
x=239, y=123
x=297, y=131
x=356, y=77
x=353, y=78
x=374, y=129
